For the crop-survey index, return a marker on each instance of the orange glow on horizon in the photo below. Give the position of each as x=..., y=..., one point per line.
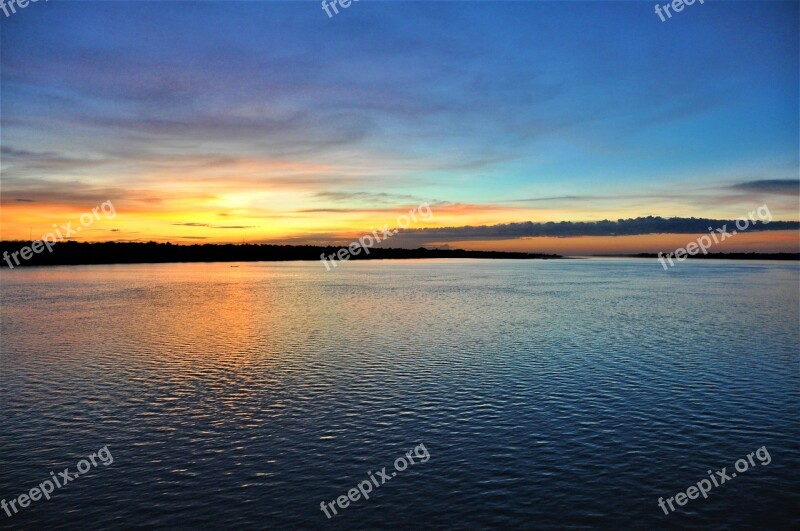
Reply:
x=288, y=216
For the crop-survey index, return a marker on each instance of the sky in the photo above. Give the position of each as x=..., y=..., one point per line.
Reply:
x=273, y=122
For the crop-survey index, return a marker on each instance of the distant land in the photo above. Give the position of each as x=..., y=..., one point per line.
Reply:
x=75, y=253
x=716, y=256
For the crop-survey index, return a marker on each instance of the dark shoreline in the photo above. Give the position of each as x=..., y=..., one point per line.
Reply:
x=715, y=256
x=75, y=253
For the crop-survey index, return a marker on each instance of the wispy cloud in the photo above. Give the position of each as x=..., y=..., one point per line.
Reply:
x=210, y=226
x=771, y=186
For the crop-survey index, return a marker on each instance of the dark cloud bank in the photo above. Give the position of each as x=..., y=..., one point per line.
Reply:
x=564, y=229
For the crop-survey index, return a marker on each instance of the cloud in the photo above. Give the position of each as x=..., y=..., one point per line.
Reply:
x=208, y=225
x=565, y=229
x=771, y=186
x=377, y=201
x=441, y=237
x=325, y=210
x=25, y=162
x=557, y=198
x=73, y=192
x=372, y=197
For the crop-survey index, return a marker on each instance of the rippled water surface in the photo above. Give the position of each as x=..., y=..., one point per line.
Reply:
x=547, y=393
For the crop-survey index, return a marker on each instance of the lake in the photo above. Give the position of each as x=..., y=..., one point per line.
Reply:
x=547, y=394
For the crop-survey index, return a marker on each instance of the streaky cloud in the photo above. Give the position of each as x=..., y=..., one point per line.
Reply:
x=771, y=186
x=564, y=229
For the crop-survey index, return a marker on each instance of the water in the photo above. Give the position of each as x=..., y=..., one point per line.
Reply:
x=547, y=393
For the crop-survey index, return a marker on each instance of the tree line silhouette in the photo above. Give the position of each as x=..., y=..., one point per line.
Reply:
x=80, y=253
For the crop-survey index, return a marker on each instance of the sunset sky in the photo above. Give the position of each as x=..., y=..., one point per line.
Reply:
x=270, y=122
